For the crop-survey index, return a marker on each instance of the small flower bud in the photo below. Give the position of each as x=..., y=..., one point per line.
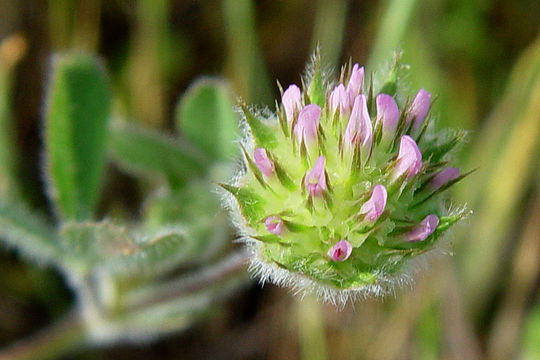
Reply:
x=356, y=81
x=263, y=163
x=339, y=100
x=359, y=127
x=409, y=158
x=274, y=224
x=292, y=101
x=340, y=251
x=419, y=108
x=316, y=178
x=308, y=123
x=443, y=177
x=374, y=207
x=388, y=113
x=424, y=229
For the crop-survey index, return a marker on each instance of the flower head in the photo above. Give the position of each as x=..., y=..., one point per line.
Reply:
x=424, y=229
x=263, y=163
x=274, y=224
x=292, y=102
x=409, y=158
x=443, y=177
x=388, y=113
x=339, y=100
x=316, y=178
x=332, y=211
x=340, y=251
x=419, y=108
x=374, y=207
x=356, y=82
x=308, y=123
x=359, y=129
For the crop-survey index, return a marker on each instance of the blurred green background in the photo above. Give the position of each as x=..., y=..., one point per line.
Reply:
x=481, y=58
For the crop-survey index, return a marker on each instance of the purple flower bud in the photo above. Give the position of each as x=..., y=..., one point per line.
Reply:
x=339, y=99
x=388, y=113
x=409, y=158
x=274, y=224
x=356, y=81
x=340, y=251
x=359, y=127
x=443, y=177
x=315, y=180
x=308, y=123
x=374, y=207
x=419, y=108
x=292, y=101
x=424, y=229
x=263, y=163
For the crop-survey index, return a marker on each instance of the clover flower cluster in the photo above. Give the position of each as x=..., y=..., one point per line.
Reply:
x=341, y=188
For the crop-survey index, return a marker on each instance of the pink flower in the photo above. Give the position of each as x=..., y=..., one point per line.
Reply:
x=315, y=180
x=307, y=125
x=424, y=229
x=356, y=81
x=274, y=224
x=419, y=108
x=292, y=101
x=339, y=99
x=443, y=177
x=263, y=163
x=359, y=127
x=409, y=158
x=388, y=113
x=374, y=207
x=340, y=251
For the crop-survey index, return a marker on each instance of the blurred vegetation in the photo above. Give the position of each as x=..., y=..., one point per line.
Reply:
x=482, y=59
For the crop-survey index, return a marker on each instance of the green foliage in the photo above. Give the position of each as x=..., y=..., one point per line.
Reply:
x=146, y=152
x=28, y=233
x=205, y=116
x=78, y=106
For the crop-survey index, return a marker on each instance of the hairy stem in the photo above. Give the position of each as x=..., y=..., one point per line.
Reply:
x=189, y=284
x=62, y=337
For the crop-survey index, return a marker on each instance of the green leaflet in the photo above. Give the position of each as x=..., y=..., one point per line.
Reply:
x=147, y=152
x=29, y=234
x=195, y=208
x=105, y=246
x=91, y=243
x=205, y=116
x=155, y=256
x=77, y=112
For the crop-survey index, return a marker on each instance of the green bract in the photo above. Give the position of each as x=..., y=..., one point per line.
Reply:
x=342, y=187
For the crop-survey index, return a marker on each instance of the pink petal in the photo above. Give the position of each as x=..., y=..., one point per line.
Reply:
x=359, y=127
x=339, y=99
x=315, y=180
x=419, y=108
x=263, y=163
x=356, y=81
x=274, y=224
x=409, y=158
x=388, y=112
x=443, y=177
x=374, y=207
x=424, y=229
x=340, y=251
x=307, y=127
x=292, y=101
